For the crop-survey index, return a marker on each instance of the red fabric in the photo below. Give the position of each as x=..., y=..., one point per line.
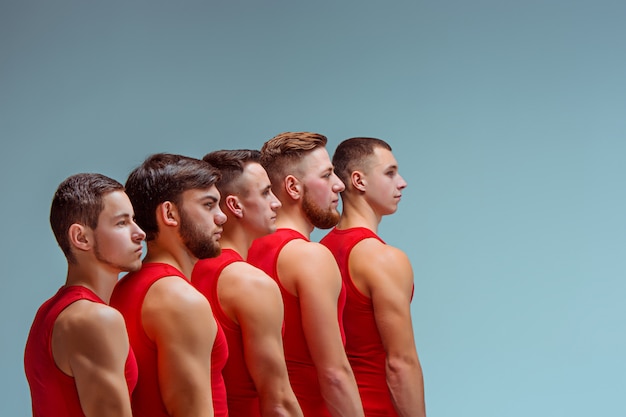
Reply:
x=302, y=373
x=363, y=344
x=243, y=398
x=53, y=392
x=128, y=297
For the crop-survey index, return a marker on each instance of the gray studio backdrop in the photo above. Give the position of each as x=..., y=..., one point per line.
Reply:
x=508, y=119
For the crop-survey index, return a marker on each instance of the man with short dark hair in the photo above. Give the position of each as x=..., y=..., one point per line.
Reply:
x=78, y=359
x=180, y=348
x=379, y=282
x=244, y=299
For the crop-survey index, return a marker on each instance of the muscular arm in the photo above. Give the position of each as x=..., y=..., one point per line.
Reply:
x=89, y=342
x=180, y=321
x=386, y=274
x=318, y=284
x=254, y=301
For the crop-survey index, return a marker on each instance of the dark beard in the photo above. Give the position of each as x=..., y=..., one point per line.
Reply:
x=201, y=245
x=320, y=218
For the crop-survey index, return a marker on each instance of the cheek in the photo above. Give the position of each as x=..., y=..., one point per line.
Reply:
x=112, y=242
x=320, y=190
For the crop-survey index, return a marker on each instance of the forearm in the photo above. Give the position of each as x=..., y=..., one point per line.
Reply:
x=279, y=403
x=108, y=408
x=340, y=392
x=406, y=384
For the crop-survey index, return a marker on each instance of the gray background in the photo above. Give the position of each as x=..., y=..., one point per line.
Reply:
x=507, y=118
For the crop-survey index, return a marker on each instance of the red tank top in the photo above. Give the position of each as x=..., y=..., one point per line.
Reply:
x=128, y=297
x=53, y=392
x=363, y=344
x=302, y=373
x=243, y=399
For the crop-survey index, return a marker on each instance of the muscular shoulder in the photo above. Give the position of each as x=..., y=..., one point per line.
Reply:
x=246, y=280
x=375, y=264
x=171, y=304
x=173, y=292
x=247, y=294
x=308, y=267
x=86, y=318
x=87, y=332
x=301, y=254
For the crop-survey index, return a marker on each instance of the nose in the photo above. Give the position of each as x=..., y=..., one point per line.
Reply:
x=275, y=204
x=402, y=183
x=339, y=186
x=138, y=234
x=220, y=218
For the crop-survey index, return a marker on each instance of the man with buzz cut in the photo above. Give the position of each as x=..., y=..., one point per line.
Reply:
x=244, y=299
x=379, y=282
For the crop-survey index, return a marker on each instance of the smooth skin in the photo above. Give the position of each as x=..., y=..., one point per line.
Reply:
x=384, y=274
x=251, y=298
x=89, y=340
x=175, y=315
x=317, y=288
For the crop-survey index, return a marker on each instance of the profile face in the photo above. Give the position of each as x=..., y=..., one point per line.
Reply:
x=201, y=221
x=384, y=182
x=321, y=188
x=117, y=238
x=258, y=202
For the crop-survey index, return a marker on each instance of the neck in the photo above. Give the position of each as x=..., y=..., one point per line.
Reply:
x=296, y=221
x=100, y=280
x=358, y=215
x=176, y=255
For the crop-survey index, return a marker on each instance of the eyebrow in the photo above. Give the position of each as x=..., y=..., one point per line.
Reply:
x=209, y=197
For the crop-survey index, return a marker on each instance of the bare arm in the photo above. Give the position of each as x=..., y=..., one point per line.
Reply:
x=180, y=321
x=385, y=272
x=89, y=342
x=318, y=290
x=256, y=304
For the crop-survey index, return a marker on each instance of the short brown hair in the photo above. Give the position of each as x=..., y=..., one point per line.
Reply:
x=352, y=154
x=79, y=199
x=164, y=177
x=279, y=154
x=231, y=164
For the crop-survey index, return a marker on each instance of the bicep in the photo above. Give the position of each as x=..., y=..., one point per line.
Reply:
x=97, y=361
x=261, y=323
x=391, y=288
x=318, y=293
x=184, y=330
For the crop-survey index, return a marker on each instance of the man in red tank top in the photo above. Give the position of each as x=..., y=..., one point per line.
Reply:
x=310, y=283
x=379, y=282
x=78, y=360
x=244, y=299
x=179, y=347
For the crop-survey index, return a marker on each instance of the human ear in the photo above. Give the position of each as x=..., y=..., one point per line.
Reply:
x=79, y=237
x=167, y=213
x=293, y=187
x=357, y=179
x=234, y=205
